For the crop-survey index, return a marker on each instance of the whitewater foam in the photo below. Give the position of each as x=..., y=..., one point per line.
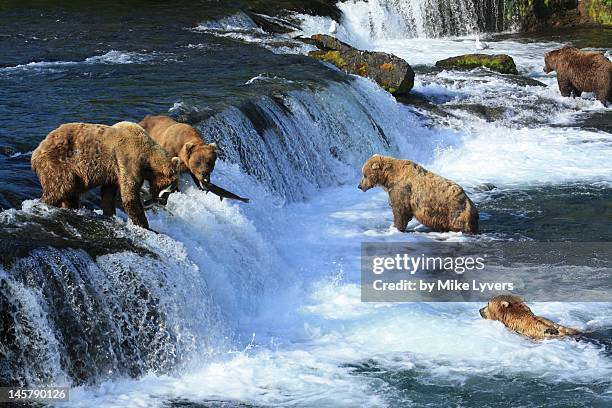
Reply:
x=110, y=57
x=284, y=270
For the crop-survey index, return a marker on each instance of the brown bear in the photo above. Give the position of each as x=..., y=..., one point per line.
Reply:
x=515, y=314
x=581, y=71
x=184, y=141
x=436, y=202
x=77, y=157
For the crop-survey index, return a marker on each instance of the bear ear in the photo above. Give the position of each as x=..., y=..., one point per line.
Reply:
x=176, y=162
x=189, y=147
x=213, y=144
x=505, y=303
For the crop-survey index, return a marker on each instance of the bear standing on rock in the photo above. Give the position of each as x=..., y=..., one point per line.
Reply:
x=434, y=201
x=581, y=71
x=77, y=157
x=515, y=314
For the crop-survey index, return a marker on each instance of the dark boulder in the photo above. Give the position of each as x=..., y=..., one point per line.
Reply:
x=392, y=73
x=7, y=151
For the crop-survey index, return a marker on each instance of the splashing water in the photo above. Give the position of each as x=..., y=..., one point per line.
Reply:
x=259, y=304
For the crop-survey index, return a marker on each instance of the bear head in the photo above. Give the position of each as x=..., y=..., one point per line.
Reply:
x=516, y=315
x=164, y=178
x=550, y=61
x=551, y=58
x=200, y=160
x=374, y=172
x=511, y=311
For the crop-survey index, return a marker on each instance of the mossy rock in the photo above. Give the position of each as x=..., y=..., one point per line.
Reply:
x=498, y=62
x=389, y=71
x=333, y=57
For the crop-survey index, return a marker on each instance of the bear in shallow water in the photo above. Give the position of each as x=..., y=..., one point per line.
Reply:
x=434, y=201
x=77, y=157
x=581, y=71
x=184, y=141
x=515, y=314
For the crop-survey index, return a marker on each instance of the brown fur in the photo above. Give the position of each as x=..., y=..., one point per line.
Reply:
x=184, y=141
x=516, y=315
x=77, y=157
x=581, y=71
x=434, y=201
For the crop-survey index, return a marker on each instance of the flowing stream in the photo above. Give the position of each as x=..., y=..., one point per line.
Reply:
x=259, y=304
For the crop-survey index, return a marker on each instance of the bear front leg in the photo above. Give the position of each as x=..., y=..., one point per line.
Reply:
x=401, y=217
x=565, y=86
x=109, y=196
x=130, y=197
x=604, y=95
x=72, y=201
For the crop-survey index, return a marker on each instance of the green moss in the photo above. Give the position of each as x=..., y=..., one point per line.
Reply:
x=538, y=14
x=363, y=70
x=404, y=87
x=499, y=63
x=601, y=11
x=333, y=57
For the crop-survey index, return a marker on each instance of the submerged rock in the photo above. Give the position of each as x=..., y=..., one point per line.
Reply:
x=7, y=151
x=488, y=113
x=486, y=187
x=392, y=73
x=525, y=81
x=497, y=62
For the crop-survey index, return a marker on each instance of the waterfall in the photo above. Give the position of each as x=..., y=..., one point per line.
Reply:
x=85, y=298
x=396, y=19
x=296, y=142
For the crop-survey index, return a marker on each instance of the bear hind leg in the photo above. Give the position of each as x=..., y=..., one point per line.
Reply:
x=61, y=191
x=109, y=196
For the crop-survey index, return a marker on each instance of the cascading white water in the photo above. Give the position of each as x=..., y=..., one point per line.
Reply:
x=97, y=300
x=130, y=312
x=394, y=19
x=277, y=281
x=301, y=141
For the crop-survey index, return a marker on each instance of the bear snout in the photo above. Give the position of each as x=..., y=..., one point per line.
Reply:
x=482, y=313
x=364, y=185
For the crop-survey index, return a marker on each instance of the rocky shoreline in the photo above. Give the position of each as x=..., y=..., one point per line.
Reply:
x=537, y=15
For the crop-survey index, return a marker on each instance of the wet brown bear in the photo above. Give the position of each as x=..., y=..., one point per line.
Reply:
x=76, y=157
x=516, y=315
x=581, y=71
x=184, y=141
x=434, y=201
